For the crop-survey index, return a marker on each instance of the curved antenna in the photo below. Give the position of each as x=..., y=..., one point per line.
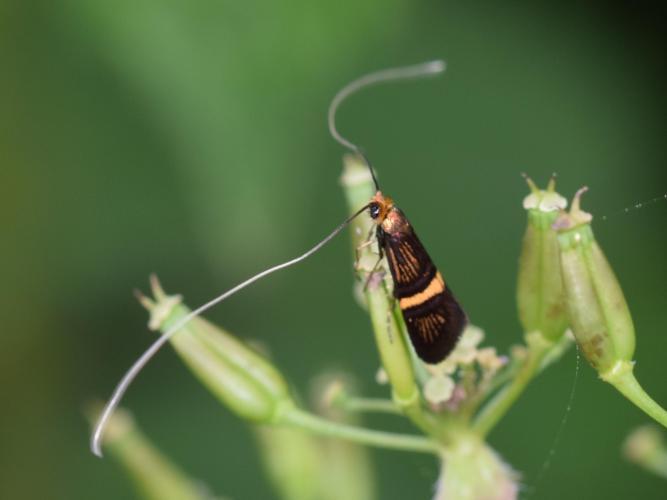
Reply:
x=131, y=374
x=386, y=75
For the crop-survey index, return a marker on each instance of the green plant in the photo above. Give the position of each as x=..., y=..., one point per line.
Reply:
x=564, y=281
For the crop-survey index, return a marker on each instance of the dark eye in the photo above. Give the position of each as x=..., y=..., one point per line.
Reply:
x=374, y=210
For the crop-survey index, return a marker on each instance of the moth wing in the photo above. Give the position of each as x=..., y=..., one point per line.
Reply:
x=435, y=326
x=433, y=316
x=411, y=267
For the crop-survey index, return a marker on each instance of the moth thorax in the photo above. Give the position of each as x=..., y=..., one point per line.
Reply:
x=394, y=222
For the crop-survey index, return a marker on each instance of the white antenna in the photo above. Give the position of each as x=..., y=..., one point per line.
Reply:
x=130, y=375
x=404, y=72
x=430, y=68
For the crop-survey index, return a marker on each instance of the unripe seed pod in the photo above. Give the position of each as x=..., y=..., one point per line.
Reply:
x=540, y=295
x=598, y=312
x=241, y=378
x=599, y=315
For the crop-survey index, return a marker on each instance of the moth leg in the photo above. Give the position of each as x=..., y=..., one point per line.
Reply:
x=372, y=273
x=357, y=256
x=368, y=241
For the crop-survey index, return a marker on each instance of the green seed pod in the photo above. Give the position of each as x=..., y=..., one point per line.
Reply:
x=240, y=377
x=540, y=295
x=154, y=475
x=598, y=313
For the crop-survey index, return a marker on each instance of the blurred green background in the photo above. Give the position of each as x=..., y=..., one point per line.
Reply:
x=189, y=139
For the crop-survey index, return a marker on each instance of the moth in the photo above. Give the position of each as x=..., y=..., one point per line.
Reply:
x=433, y=316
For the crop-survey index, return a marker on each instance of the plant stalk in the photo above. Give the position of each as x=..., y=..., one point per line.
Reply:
x=621, y=376
x=308, y=421
x=497, y=407
x=375, y=405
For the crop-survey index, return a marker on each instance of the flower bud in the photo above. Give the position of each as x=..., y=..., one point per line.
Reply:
x=540, y=295
x=598, y=313
x=241, y=378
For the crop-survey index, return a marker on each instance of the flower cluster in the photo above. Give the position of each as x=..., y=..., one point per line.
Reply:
x=467, y=370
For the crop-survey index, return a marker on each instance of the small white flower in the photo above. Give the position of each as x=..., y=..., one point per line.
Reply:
x=464, y=353
x=439, y=389
x=518, y=352
x=472, y=336
x=489, y=360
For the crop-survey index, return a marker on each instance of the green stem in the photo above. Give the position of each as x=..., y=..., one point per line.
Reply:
x=623, y=379
x=486, y=389
x=556, y=351
x=304, y=420
x=398, y=362
x=552, y=354
x=497, y=407
x=376, y=405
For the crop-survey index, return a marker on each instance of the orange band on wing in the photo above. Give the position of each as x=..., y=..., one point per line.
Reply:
x=436, y=286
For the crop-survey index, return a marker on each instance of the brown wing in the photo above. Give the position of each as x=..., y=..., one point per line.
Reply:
x=411, y=267
x=433, y=316
x=435, y=326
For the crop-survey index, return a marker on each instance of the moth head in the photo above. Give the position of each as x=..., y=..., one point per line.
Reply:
x=379, y=207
